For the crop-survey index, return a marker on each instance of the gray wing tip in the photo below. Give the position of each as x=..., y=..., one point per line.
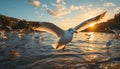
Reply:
x=100, y=16
x=104, y=13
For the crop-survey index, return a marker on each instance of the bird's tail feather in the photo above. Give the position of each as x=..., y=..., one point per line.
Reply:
x=55, y=45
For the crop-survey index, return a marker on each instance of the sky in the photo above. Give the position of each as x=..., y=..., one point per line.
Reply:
x=63, y=13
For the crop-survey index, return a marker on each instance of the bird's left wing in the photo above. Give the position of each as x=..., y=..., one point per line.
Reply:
x=48, y=27
x=88, y=22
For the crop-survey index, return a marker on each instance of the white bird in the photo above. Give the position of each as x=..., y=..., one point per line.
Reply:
x=65, y=36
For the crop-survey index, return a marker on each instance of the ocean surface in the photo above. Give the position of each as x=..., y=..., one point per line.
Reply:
x=87, y=50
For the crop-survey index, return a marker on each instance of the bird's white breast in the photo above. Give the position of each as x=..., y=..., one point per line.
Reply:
x=67, y=37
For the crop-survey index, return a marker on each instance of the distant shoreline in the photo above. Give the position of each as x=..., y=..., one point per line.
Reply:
x=16, y=23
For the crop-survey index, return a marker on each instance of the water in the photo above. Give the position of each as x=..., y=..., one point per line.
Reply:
x=86, y=51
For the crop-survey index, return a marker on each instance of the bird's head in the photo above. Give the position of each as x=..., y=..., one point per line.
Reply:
x=72, y=30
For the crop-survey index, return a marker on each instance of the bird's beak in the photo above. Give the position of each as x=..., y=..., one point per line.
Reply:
x=76, y=32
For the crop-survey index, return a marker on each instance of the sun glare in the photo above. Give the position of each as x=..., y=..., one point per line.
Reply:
x=91, y=25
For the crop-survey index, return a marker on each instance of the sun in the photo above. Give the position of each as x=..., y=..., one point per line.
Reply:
x=92, y=25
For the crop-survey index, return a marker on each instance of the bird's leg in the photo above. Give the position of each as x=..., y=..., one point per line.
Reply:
x=57, y=46
x=107, y=49
x=76, y=32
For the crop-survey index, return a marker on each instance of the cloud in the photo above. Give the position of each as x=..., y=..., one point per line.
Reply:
x=72, y=7
x=108, y=4
x=58, y=12
x=34, y=3
x=51, y=12
x=60, y=9
x=95, y=11
x=58, y=1
x=117, y=9
x=37, y=12
x=90, y=5
x=81, y=7
x=58, y=6
x=61, y=1
x=44, y=5
x=80, y=17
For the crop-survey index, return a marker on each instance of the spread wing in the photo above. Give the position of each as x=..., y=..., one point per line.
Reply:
x=49, y=27
x=88, y=22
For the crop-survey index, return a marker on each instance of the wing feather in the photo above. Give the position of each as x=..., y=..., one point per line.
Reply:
x=49, y=27
x=88, y=22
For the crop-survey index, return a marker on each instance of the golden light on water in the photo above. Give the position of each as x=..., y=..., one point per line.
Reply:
x=91, y=37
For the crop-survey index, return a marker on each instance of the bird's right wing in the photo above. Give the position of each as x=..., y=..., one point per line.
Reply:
x=48, y=27
x=88, y=22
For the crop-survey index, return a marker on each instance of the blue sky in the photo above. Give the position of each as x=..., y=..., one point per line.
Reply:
x=64, y=13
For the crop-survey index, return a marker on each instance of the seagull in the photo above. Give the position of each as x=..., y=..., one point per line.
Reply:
x=108, y=44
x=116, y=32
x=65, y=36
